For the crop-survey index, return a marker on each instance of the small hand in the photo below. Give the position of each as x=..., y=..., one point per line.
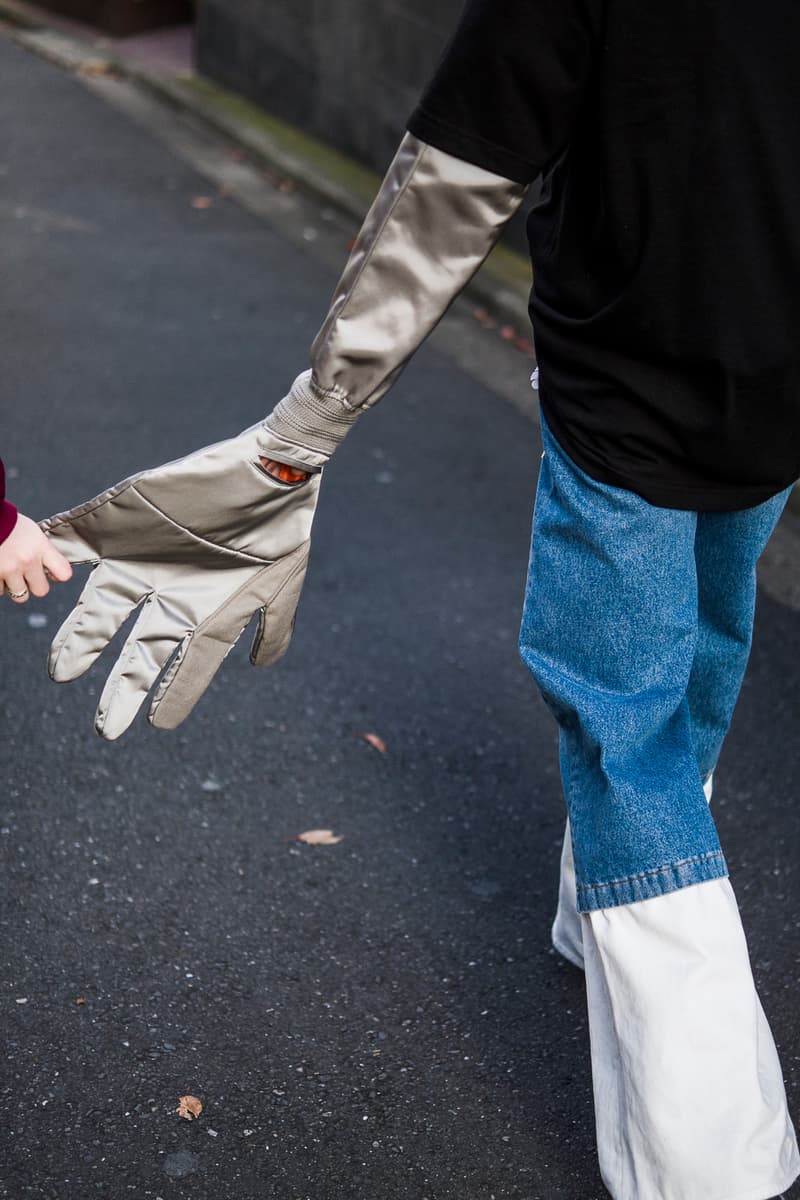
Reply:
x=283, y=472
x=26, y=560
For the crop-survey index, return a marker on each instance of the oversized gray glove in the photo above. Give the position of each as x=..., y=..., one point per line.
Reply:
x=206, y=541
x=202, y=544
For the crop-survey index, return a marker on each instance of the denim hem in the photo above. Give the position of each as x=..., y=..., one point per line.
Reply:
x=659, y=882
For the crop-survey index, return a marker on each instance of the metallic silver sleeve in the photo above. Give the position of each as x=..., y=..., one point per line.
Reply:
x=430, y=227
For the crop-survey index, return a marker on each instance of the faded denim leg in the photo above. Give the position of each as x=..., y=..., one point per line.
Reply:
x=567, y=931
x=727, y=548
x=609, y=631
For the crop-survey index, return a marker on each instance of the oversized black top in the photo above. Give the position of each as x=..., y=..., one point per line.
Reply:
x=666, y=245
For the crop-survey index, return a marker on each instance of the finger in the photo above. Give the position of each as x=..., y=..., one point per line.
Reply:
x=16, y=588
x=111, y=594
x=65, y=541
x=276, y=588
x=81, y=533
x=203, y=653
x=196, y=663
x=276, y=619
x=55, y=564
x=37, y=580
x=152, y=642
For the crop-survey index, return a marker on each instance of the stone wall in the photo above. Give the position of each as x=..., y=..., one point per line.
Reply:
x=348, y=71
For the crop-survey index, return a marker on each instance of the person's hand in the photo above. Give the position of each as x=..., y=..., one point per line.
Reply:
x=27, y=559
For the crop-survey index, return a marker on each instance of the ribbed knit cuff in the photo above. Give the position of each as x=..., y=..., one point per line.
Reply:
x=311, y=419
x=8, y=519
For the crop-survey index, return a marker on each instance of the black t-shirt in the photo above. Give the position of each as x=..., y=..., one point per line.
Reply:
x=666, y=244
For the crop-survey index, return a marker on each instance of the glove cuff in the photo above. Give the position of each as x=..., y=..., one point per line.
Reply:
x=306, y=426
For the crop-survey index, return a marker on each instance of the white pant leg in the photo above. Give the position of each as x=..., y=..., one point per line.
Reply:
x=689, y=1095
x=566, y=932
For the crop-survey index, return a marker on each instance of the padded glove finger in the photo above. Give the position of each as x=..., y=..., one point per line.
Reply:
x=111, y=594
x=78, y=534
x=276, y=619
x=149, y=647
x=69, y=541
x=204, y=651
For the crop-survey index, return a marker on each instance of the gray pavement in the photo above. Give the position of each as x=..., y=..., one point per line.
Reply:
x=378, y=1018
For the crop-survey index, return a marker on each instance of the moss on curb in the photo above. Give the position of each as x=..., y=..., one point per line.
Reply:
x=330, y=164
x=505, y=268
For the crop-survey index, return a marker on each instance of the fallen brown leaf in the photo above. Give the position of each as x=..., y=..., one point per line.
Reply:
x=189, y=1107
x=374, y=740
x=318, y=837
x=201, y=202
x=484, y=318
x=80, y=1000
x=94, y=66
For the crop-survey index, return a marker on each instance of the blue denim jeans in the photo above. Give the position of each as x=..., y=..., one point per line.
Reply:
x=637, y=628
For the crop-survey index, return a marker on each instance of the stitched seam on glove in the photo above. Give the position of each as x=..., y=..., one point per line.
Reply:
x=249, y=584
x=200, y=630
x=240, y=554
x=334, y=392
x=316, y=393
x=51, y=524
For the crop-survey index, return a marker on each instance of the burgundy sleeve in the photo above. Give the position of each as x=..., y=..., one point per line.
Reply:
x=8, y=514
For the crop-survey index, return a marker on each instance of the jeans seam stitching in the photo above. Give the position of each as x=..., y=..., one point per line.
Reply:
x=683, y=862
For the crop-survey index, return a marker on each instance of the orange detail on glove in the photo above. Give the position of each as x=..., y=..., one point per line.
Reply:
x=283, y=472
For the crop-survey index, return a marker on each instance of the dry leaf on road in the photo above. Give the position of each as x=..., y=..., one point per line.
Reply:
x=318, y=837
x=80, y=1000
x=484, y=318
x=374, y=740
x=94, y=66
x=189, y=1107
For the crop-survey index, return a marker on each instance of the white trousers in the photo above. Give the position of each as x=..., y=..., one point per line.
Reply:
x=688, y=1089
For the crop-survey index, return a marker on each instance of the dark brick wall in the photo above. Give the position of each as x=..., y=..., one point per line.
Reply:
x=349, y=71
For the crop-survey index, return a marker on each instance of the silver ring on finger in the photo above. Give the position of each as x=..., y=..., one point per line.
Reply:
x=19, y=595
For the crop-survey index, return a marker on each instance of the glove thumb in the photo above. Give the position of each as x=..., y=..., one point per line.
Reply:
x=276, y=619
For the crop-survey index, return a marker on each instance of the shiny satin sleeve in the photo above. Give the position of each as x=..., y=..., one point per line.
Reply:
x=430, y=227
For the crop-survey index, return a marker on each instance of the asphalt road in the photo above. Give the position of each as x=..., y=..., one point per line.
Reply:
x=382, y=1017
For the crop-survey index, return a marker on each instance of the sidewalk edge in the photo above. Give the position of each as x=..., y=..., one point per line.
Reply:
x=501, y=285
